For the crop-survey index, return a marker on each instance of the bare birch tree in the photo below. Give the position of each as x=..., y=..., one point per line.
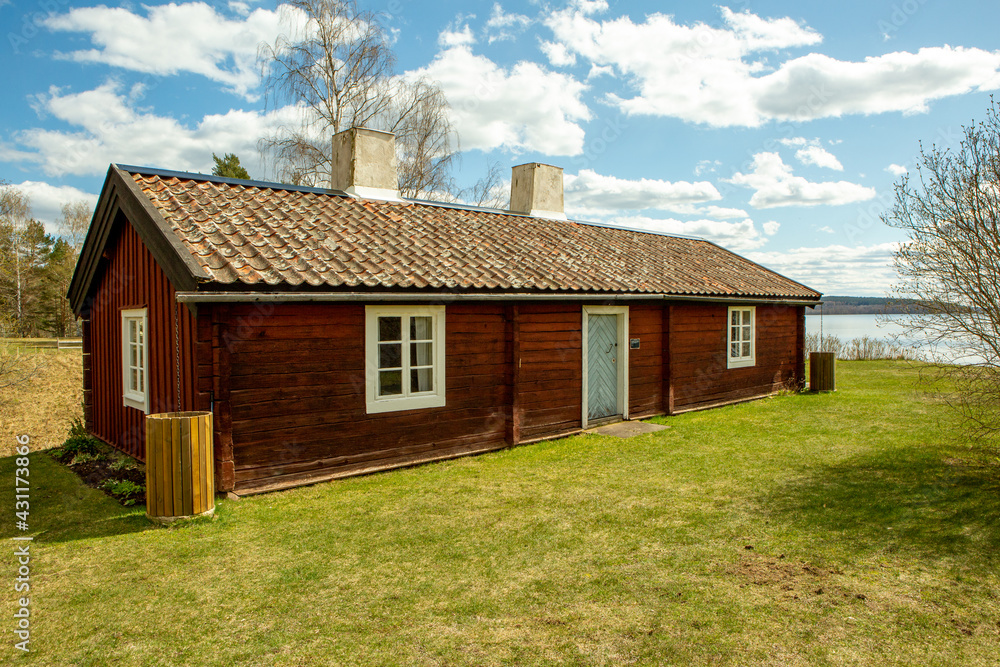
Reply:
x=336, y=63
x=950, y=210
x=15, y=213
x=75, y=222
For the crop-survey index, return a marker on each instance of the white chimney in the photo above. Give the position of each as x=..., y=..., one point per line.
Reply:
x=537, y=189
x=364, y=164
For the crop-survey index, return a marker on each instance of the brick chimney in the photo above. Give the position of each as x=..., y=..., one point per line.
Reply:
x=537, y=189
x=364, y=164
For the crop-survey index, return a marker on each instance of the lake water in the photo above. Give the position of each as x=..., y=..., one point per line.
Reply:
x=849, y=327
x=885, y=327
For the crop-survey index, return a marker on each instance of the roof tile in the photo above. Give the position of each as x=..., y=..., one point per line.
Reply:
x=251, y=234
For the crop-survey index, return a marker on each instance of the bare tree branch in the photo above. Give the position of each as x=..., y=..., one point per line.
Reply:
x=336, y=64
x=951, y=263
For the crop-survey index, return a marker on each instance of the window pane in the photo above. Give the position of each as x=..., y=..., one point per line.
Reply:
x=422, y=379
x=389, y=328
x=133, y=383
x=133, y=357
x=142, y=382
x=420, y=328
x=390, y=383
x=734, y=350
x=390, y=355
x=746, y=332
x=138, y=327
x=132, y=337
x=735, y=318
x=734, y=334
x=421, y=354
x=746, y=349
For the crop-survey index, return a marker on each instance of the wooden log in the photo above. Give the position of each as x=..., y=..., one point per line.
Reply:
x=822, y=371
x=179, y=479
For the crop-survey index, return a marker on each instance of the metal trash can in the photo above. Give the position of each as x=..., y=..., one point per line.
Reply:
x=180, y=471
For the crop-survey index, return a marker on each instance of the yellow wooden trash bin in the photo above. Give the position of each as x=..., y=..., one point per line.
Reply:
x=823, y=371
x=180, y=471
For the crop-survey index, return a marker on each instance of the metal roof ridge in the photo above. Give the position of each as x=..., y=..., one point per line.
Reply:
x=212, y=178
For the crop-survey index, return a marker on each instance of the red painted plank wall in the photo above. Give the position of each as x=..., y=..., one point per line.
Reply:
x=297, y=391
x=698, y=355
x=551, y=383
x=130, y=278
x=645, y=392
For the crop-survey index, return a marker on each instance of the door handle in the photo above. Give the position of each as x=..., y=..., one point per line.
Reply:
x=610, y=347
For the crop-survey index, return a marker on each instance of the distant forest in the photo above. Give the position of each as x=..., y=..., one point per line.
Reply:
x=866, y=305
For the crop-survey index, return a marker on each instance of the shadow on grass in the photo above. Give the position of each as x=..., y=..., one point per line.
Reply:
x=918, y=500
x=61, y=507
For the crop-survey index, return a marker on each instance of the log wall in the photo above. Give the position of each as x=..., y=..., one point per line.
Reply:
x=296, y=392
x=698, y=364
x=130, y=278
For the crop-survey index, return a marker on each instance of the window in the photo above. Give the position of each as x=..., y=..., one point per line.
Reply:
x=404, y=357
x=135, y=367
x=742, y=349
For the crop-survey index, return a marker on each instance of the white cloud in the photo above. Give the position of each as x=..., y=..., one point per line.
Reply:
x=705, y=166
x=738, y=236
x=827, y=229
x=599, y=70
x=109, y=128
x=174, y=38
x=558, y=54
x=835, y=269
x=896, y=169
x=819, y=156
x=594, y=194
x=47, y=201
x=812, y=152
x=449, y=38
x=237, y=7
x=775, y=186
x=771, y=227
x=502, y=26
x=525, y=107
x=722, y=213
x=719, y=75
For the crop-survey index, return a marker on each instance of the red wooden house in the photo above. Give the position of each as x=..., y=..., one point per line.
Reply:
x=342, y=331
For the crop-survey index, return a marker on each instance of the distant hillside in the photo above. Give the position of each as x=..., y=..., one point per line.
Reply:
x=866, y=305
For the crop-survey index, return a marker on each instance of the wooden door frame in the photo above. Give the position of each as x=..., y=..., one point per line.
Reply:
x=621, y=312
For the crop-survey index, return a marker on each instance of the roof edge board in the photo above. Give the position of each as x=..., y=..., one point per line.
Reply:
x=334, y=297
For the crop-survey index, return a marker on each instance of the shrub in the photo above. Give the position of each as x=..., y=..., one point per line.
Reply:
x=122, y=463
x=87, y=457
x=125, y=491
x=77, y=445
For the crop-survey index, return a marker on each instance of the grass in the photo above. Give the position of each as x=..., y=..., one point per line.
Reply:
x=833, y=529
x=44, y=406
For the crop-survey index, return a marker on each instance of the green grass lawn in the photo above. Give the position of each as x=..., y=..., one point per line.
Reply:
x=846, y=528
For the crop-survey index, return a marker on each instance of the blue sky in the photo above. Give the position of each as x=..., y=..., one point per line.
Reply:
x=776, y=129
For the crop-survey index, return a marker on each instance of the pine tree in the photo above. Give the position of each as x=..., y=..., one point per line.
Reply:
x=229, y=166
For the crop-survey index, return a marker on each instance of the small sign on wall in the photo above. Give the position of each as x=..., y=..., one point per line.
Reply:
x=633, y=343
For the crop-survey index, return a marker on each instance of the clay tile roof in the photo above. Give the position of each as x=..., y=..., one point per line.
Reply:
x=261, y=234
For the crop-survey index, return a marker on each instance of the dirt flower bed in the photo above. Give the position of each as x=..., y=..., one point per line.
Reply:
x=101, y=467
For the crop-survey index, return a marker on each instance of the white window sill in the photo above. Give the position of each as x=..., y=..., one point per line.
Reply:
x=399, y=404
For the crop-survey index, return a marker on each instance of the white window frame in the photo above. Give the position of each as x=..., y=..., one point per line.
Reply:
x=407, y=401
x=741, y=361
x=131, y=397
